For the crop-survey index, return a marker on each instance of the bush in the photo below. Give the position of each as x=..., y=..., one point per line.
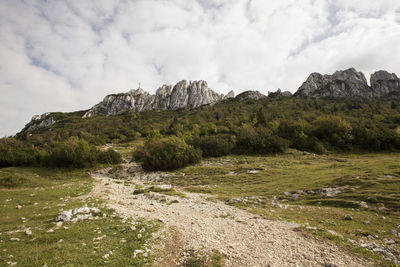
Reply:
x=333, y=130
x=78, y=153
x=109, y=157
x=166, y=154
x=214, y=146
x=16, y=153
x=260, y=140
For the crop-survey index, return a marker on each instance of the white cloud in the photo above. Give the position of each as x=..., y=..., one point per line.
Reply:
x=67, y=55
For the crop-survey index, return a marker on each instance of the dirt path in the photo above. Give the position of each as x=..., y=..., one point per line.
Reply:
x=243, y=238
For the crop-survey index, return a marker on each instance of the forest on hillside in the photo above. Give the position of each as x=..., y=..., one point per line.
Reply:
x=175, y=138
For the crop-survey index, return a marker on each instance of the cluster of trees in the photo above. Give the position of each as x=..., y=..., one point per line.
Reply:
x=73, y=152
x=166, y=154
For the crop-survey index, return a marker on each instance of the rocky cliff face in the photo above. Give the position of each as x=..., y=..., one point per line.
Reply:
x=385, y=84
x=349, y=83
x=183, y=94
x=39, y=121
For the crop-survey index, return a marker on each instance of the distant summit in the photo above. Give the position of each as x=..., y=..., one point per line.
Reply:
x=183, y=94
x=350, y=83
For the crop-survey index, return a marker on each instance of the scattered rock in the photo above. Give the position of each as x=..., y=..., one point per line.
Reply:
x=348, y=217
x=363, y=204
x=136, y=252
x=18, y=207
x=78, y=214
x=83, y=210
x=28, y=232
x=59, y=224
x=327, y=264
x=162, y=186
x=294, y=197
x=389, y=242
x=253, y=171
x=335, y=234
x=14, y=239
x=95, y=210
x=64, y=216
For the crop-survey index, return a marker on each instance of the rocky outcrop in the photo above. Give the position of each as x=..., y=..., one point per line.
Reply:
x=347, y=83
x=350, y=83
x=183, y=94
x=255, y=95
x=385, y=84
x=279, y=93
x=39, y=121
x=230, y=94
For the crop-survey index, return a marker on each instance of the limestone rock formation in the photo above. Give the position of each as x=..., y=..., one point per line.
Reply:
x=230, y=94
x=347, y=83
x=255, y=95
x=183, y=94
x=385, y=84
x=40, y=121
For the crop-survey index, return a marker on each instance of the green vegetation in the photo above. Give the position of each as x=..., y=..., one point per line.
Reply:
x=41, y=193
x=314, y=125
x=166, y=154
x=70, y=153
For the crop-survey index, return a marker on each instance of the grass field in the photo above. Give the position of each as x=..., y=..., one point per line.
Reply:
x=316, y=191
x=30, y=199
x=293, y=187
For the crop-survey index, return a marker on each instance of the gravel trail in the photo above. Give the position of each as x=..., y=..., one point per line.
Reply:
x=243, y=238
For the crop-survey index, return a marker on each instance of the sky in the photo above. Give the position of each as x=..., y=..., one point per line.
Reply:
x=66, y=55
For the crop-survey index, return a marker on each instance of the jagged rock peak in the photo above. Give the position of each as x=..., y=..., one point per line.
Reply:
x=183, y=94
x=385, y=84
x=347, y=83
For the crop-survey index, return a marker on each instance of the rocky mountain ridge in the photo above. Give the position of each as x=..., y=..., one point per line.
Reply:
x=350, y=83
x=192, y=94
x=183, y=94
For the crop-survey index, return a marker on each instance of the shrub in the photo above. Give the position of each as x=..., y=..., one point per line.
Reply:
x=166, y=154
x=78, y=153
x=16, y=153
x=109, y=157
x=71, y=153
x=260, y=140
x=333, y=130
x=214, y=146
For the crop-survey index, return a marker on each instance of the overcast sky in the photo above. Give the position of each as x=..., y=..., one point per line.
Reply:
x=67, y=55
